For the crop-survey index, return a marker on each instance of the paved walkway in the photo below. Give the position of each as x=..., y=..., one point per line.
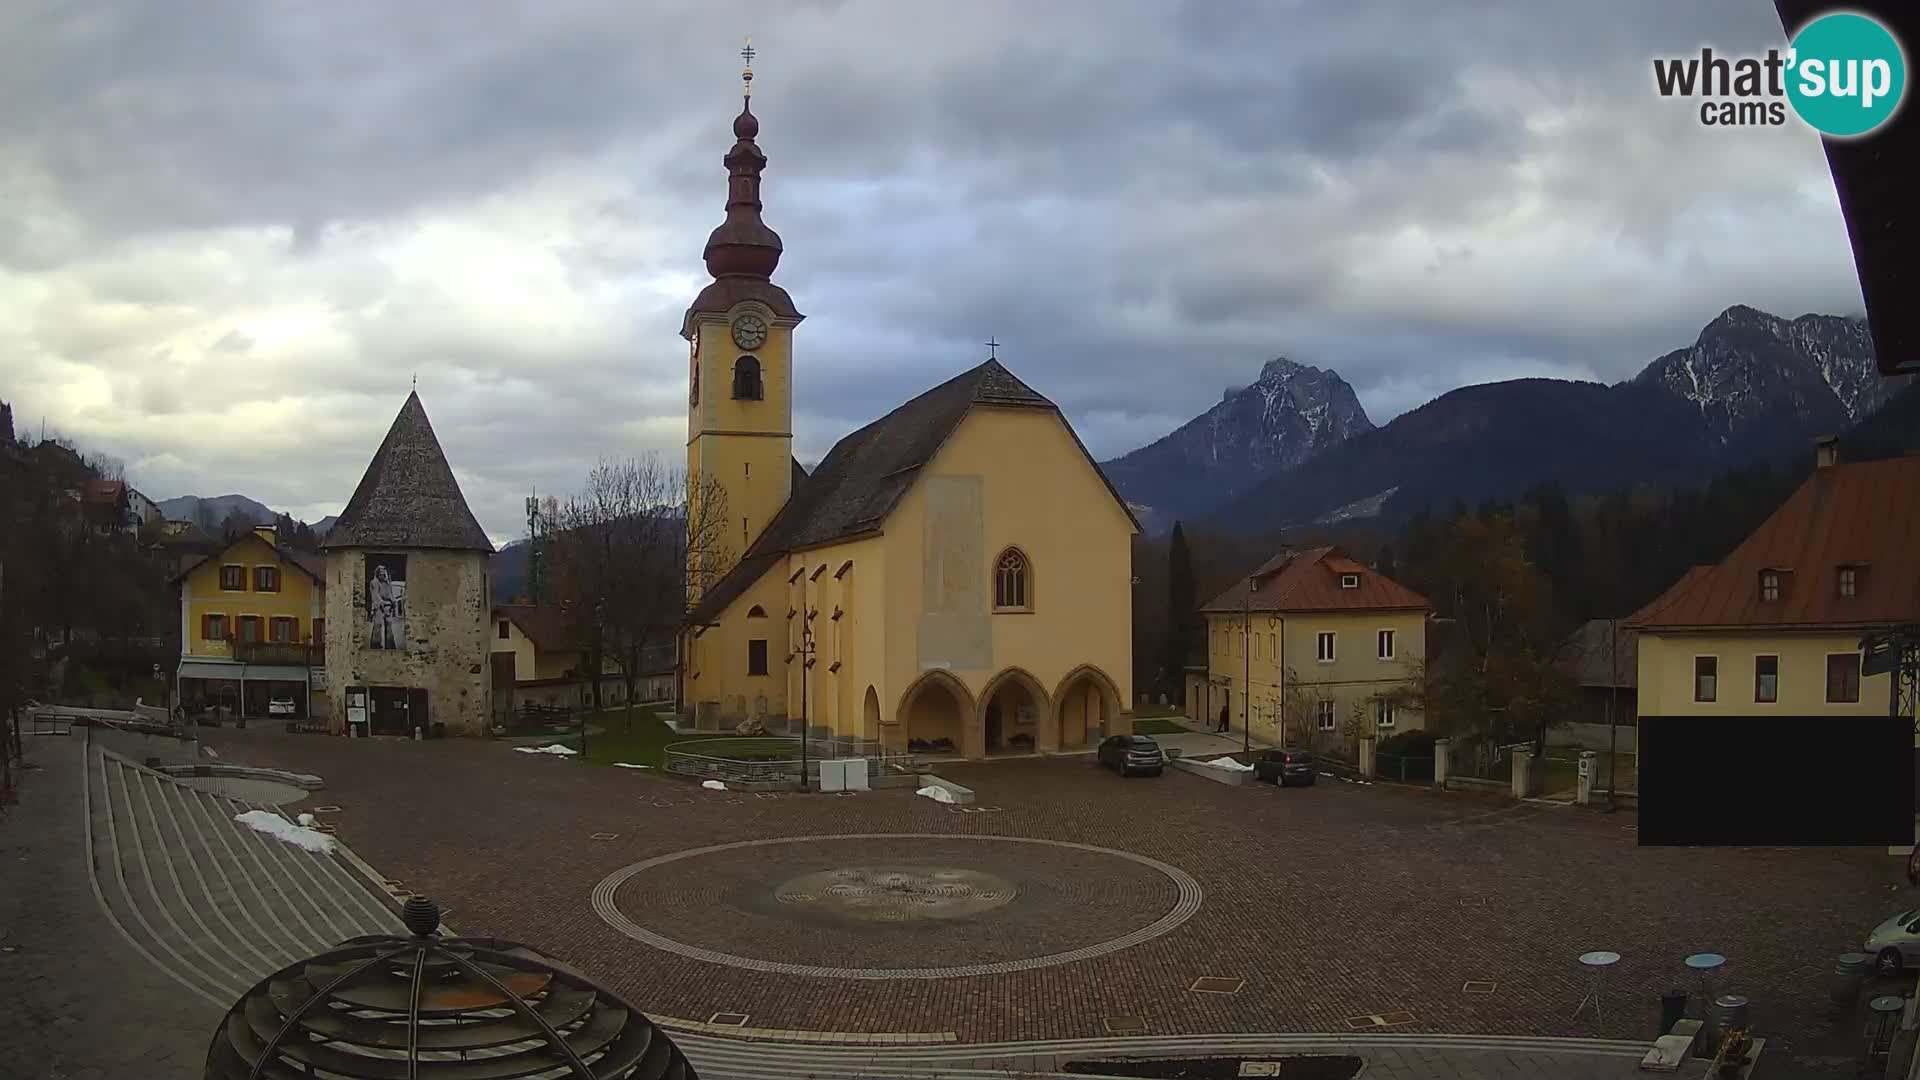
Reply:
x=77, y=1002
x=213, y=906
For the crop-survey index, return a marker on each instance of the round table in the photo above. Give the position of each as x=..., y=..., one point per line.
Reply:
x=1703, y=965
x=1595, y=962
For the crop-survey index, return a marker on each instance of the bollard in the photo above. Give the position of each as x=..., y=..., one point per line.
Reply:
x=1849, y=975
x=1583, y=787
x=1442, y=762
x=1673, y=1009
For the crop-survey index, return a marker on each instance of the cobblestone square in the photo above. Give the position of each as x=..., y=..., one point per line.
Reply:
x=1331, y=902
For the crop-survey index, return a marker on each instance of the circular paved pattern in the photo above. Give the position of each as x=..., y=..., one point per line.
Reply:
x=898, y=893
x=1003, y=903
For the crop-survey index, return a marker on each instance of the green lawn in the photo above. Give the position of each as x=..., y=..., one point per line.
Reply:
x=1149, y=710
x=1157, y=726
x=645, y=742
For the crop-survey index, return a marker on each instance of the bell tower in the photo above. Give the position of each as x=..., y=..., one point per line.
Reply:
x=739, y=333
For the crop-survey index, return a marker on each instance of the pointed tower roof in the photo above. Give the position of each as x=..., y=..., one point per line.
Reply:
x=408, y=497
x=742, y=252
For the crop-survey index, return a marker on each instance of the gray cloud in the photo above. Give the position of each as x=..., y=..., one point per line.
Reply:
x=237, y=231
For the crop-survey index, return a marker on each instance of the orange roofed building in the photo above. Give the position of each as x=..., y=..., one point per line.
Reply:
x=1775, y=627
x=1335, y=640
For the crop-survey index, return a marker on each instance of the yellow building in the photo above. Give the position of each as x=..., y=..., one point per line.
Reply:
x=538, y=660
x=1312, y=649
x=252, y=628
x=1775, y=628
x=954, y=578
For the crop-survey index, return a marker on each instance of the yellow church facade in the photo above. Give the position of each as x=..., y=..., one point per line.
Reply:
x=953, y=579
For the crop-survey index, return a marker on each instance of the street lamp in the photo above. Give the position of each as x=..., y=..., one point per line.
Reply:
x=805, y=653
x=1246, y=668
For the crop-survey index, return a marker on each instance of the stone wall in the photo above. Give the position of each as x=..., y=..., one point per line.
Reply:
x=446, y=649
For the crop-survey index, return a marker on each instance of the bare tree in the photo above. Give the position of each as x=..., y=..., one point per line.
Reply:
x=622, y=552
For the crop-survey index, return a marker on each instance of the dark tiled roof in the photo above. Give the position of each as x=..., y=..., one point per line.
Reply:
x=1876, y=178
x=864, y=476
x=1597, y=658
x=408, y=497
x=1310, y=581
x=1866, y=514
x=543, y=624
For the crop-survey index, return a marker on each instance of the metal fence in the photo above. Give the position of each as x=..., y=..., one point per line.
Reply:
x=1403, y=766
x=713, y=759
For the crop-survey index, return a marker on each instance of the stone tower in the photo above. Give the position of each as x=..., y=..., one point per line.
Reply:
x=408, y=593
x=739, y=332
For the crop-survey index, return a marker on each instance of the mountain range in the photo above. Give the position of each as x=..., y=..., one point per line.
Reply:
x=188, y=508
x=1295, y=448
x=1293, y=412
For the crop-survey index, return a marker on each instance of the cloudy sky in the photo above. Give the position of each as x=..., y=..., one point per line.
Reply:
x=234, y=230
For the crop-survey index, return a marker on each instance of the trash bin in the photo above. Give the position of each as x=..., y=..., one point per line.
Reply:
x=1729, y=1012
x=1673, y=1008
x=1849, y=975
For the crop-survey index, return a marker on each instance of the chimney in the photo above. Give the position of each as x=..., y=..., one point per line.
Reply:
x=267, y=533
x=1826, y=451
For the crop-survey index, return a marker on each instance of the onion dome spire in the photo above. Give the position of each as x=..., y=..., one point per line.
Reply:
x=743, y=246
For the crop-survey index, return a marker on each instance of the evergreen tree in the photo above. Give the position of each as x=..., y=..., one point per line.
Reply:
x=1181, y=607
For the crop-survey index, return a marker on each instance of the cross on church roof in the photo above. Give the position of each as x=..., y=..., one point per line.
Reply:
x=746, y=75
x=993, y=349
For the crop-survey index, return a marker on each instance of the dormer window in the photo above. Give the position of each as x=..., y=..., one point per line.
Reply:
x=1769, y=586
x=1849, y=581
x=1349, y=581
x=746, y=379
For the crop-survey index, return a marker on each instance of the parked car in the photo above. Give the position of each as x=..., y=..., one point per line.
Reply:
x=280, y=706
x=1285, y=767
x=1895, y=943
x=1131, y=754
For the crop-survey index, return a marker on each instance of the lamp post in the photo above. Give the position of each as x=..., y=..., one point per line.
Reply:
x=1246, y=665
x=805, y=653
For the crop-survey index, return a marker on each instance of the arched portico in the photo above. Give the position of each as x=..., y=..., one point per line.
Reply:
x=1087, y=707
x=1013, y=716
x=933, y=715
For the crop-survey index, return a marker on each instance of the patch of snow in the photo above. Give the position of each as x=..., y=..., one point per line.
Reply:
x=936, y=793
x=713, y=785
x=629, y=765
x=210, y=751
x=555, y=748
x=276, y=826
x=1228, y=763
x=1359, y=508
x=306, y=819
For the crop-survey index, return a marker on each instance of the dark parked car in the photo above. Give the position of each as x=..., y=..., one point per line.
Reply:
x=1130, y=754
x=1285, y=767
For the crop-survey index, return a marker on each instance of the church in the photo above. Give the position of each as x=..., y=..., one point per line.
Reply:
x=953, y=579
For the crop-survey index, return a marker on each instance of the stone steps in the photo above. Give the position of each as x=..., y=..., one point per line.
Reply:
x=215, y=904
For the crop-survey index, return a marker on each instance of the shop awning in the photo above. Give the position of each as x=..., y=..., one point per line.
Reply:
x=192, y=669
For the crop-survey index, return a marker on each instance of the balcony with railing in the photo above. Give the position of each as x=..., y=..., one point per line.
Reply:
x=286, y=653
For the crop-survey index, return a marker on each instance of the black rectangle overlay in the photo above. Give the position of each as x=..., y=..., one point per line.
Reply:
x=1777, y=781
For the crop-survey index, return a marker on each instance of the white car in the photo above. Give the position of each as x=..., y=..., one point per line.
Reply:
x=1895, y=944
x=280, y=706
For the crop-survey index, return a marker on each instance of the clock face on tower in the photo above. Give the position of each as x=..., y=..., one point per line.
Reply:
x=749, y=331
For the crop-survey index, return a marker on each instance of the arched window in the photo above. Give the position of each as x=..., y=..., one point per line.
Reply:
x=1012, y=587
x=746, y=379
x=756, y=612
